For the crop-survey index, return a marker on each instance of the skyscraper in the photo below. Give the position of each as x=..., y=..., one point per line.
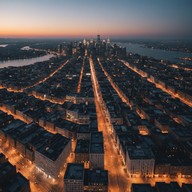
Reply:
x=91, y=40
x=84, y=42
x=108, y=40
x=98, y=39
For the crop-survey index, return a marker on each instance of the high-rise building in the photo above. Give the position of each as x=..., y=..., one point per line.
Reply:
x=84, y=41
x=98, y=39
x=108, y=40
x=91, y=40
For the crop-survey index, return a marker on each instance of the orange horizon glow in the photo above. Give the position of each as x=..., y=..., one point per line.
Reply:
x=74, y=18
x=33, y=33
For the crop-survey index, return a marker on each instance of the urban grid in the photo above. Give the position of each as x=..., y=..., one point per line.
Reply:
x=96, y=118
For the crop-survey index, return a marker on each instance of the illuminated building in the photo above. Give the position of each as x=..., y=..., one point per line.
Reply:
x=51, y=157
x=140, y=162
x=78, y=179
x=82, y=152
x=84, y=42
x=108, y=40
x=91, y=40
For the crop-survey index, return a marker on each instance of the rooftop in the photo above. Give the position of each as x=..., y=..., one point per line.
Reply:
x=141, y=188
x=82, y=146
x=140, y=153
x=96, y=148
x=54, y=147
x=75, y=171
x=96, y=137
x=96, y=177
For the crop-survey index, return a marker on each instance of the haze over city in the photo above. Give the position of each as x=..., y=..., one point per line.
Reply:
x=79, y=18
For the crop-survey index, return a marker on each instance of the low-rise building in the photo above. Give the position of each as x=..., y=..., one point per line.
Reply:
x=96, y=151
x=82, y=152
x=96, y=180
x=141, y=188
x=74, y=177
x=78, y=179
x=50, y=157
x=66, y=128
x=18, y=183
x=140, y=162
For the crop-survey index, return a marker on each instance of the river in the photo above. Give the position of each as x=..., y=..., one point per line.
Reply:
x=22, y=62
x=155, y=53
x=131, y=47
x=4, y=45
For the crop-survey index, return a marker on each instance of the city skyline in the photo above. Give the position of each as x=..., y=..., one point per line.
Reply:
x=76, y=19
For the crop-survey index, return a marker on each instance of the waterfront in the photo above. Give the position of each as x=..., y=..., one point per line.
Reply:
x=155, y=53
x=140, y=49
x=22, y=62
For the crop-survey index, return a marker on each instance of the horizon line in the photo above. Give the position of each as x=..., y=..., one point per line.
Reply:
x=95, y=37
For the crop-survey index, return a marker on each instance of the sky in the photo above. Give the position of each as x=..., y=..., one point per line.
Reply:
x=87, y=18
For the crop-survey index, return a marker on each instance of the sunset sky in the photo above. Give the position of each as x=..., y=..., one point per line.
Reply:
x=79, y=18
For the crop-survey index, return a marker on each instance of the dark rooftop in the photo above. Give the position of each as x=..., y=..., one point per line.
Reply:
x=95, y=177
x=140, y=153
x=54, y=147
x=141, y=187
x=75, y=171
